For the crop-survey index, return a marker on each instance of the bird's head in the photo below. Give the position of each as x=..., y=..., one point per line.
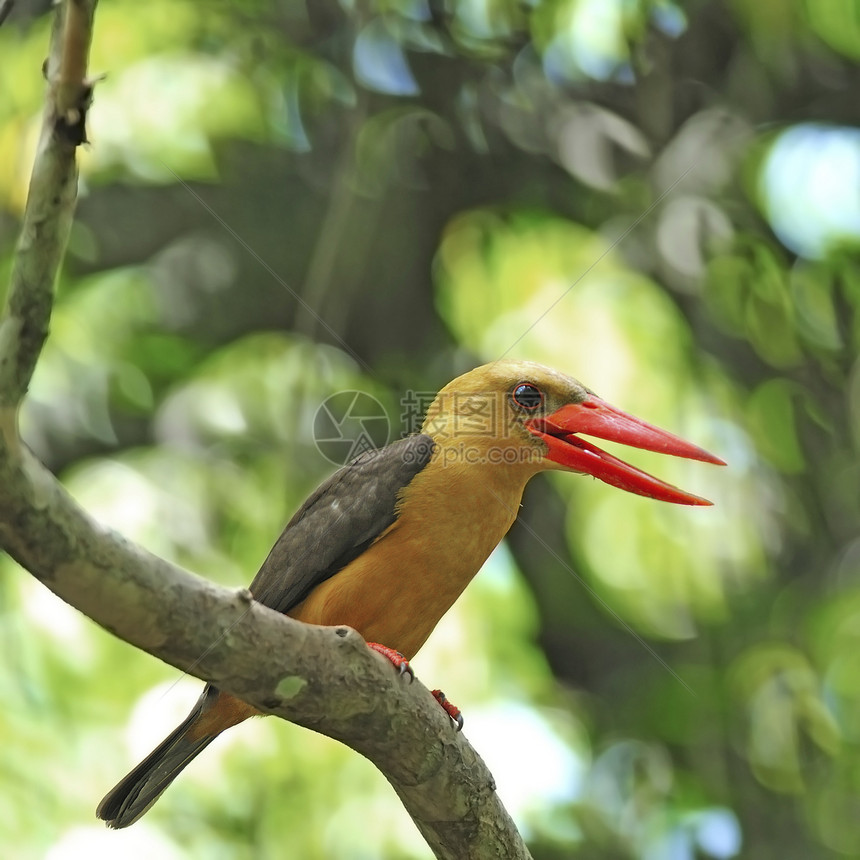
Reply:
x=528, y=418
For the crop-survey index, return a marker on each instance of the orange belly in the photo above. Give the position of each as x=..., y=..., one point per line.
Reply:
x=396, y=592
x=386, y=601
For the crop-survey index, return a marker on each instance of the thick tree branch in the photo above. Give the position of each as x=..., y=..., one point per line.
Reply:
x=321, y=678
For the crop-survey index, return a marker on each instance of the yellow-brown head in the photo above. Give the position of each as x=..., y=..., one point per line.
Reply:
x=526, y=417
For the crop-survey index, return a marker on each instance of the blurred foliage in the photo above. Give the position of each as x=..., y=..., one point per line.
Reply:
x=283, y=201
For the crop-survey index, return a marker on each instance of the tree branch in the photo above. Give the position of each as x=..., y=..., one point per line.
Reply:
x=320, y=677
x=50, y=204
x=6, y=7
x=323, y=678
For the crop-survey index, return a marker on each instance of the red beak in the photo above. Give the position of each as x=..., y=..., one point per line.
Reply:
x=595, y=417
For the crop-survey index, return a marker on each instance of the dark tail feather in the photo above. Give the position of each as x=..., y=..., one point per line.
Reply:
x=137, y=791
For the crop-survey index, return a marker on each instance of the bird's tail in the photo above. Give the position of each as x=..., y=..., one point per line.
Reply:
x=138, y=790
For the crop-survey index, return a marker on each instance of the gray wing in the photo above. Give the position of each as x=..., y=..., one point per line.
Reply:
x=338, y=522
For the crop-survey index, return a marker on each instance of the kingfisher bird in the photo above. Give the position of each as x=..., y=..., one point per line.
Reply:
x=389, y=541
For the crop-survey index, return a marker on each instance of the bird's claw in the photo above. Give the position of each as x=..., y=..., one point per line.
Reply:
x=402, y=665
x=397, y=659
x=450, y=709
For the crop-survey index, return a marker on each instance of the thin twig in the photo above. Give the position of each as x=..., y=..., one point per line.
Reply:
x=6, y=7
x=50, y=205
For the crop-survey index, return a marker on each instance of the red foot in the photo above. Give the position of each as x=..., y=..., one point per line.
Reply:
x=399, y=661
x=450, y=709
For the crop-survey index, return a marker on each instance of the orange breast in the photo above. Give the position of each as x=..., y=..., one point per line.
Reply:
x=397, y=591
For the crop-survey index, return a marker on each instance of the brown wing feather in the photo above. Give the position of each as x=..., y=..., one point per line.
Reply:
x=338, y=522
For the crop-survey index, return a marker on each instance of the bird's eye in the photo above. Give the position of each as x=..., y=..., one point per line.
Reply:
x=527, y=396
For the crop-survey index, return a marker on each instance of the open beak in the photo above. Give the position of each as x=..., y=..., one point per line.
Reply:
x=596, y=417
